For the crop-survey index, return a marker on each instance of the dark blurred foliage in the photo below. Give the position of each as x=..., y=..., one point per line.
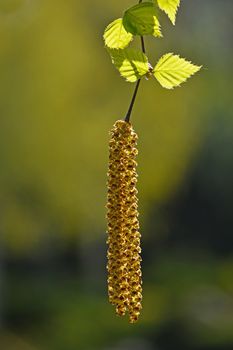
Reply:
x=59, y=96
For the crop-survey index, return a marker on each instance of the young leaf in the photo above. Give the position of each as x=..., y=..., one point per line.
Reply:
x=131, y=63
x=171, y=70
x=170, y=7
x=142, y=19
x=115, y=35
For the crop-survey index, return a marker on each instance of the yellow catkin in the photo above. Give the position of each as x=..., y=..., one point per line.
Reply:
x=124, y=260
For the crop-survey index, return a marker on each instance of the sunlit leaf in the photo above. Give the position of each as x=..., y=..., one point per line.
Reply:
x=142, y=19
x=131, y=63
x=170, y=7
x=115, y=35
x=171, y=70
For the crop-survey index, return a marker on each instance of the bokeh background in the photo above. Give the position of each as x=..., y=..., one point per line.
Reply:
x=59, y=97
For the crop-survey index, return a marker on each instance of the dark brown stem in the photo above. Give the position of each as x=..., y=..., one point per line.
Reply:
x=127, y=118
x=143, y=45
x=128, y=115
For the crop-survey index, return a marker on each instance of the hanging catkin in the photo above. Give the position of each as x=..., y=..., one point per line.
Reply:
x=124, y=270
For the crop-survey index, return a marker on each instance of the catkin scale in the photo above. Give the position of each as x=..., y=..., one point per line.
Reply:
x=124, y=260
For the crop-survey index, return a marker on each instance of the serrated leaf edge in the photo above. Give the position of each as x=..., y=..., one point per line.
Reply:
x=122, y=27
x=127, y=50
x=173, y=20
x=157, y=34
x=181, y=58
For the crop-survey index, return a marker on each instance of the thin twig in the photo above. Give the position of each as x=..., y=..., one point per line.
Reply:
x=127, y=118
x=143, y=44
x=128, y=115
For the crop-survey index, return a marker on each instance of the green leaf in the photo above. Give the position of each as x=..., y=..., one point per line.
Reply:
x=115, y=35
x=131, y=63
x=171, y=70
x=142, y=19
x=170, y=7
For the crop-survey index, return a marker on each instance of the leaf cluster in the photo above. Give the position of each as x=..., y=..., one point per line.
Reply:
x=133, y=64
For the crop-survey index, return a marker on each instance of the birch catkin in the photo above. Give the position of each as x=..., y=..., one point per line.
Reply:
x=124, y=270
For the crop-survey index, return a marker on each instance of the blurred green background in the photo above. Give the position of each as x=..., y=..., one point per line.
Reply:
x=59, y=97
